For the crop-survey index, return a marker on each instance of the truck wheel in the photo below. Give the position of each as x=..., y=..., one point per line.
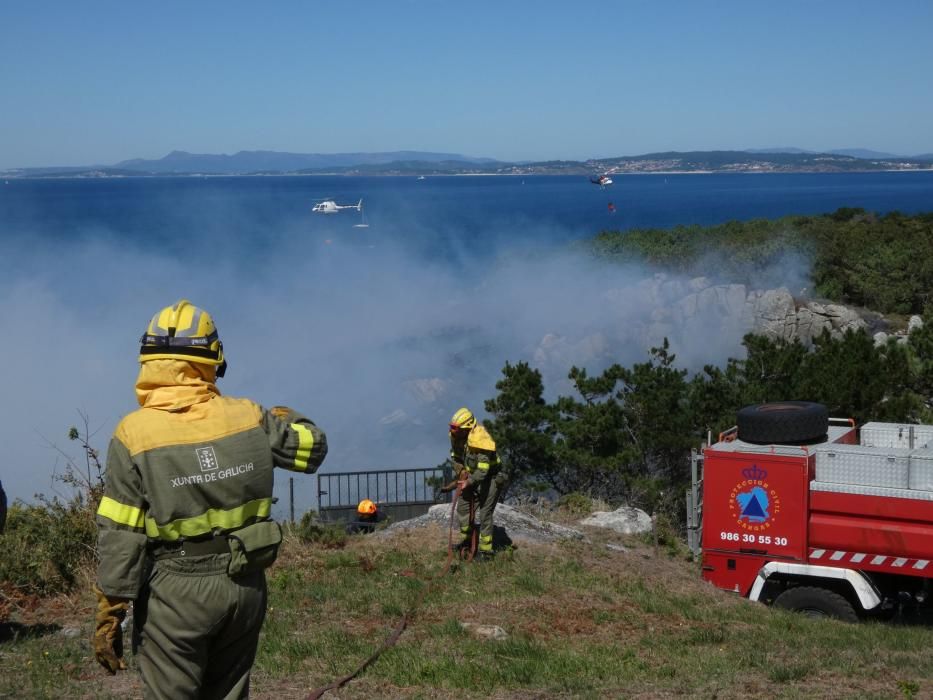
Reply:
x=816, y=602
x=786, y=422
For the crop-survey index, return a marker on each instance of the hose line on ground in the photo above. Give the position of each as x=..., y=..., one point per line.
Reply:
x=406, y=618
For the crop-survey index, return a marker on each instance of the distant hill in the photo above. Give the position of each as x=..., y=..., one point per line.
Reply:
x=782, y=149
x=414, y=167
x=275, y=161
x=863, y=153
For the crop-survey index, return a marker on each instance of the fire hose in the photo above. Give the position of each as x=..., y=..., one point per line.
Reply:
x=465, y=553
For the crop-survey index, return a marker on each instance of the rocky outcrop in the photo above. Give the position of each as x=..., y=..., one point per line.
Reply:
x=732, y=308
x=625, y=520
x=775, y=314
x=703, y=321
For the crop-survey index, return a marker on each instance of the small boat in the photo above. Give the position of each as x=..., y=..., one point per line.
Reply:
x=421, y=177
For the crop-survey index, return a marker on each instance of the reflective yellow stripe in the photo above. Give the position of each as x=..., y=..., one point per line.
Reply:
x=120, y=513
x=305, y=443
x=214, y=519
x=484, y=466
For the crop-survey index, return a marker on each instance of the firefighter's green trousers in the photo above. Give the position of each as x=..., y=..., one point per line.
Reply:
x=485, y=496
x=196, y=629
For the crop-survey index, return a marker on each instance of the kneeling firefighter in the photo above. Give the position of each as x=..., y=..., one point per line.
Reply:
x=473, y=453
x=184, y=526
x=368, y=516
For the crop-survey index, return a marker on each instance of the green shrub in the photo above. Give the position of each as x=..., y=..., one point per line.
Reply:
x=665, y=532
x=576, y=504
x=312, y=529
x=46, y=545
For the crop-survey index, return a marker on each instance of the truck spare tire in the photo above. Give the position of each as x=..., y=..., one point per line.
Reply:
x=783, y=423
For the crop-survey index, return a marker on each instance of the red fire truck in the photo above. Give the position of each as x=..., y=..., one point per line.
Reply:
x=810, y=513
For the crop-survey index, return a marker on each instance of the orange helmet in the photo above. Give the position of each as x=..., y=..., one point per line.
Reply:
x=366, y=507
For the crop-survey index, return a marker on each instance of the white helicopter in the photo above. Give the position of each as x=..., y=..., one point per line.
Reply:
x=329, y=206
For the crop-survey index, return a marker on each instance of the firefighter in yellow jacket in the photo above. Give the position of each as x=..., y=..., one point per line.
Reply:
x=473, y=453
x=185, y=529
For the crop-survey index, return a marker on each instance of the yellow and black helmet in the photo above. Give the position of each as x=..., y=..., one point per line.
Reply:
x=182, y=331
x=463, y=419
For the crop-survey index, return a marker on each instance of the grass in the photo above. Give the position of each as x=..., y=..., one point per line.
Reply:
x=583, y=622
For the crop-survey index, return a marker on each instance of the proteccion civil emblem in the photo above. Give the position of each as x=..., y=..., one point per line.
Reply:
x=753, y=503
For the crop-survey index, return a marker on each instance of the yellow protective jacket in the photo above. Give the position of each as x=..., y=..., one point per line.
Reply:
x=189, y=464
x=477, y=453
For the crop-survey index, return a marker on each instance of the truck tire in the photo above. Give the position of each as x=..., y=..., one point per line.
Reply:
x=816, y=602
x=783, y=423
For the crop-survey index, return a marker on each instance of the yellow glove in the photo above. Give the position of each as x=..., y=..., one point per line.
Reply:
x=108, y=636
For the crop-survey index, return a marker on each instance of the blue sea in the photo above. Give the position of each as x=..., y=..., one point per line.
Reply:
x=377, y=333
x=435, y=216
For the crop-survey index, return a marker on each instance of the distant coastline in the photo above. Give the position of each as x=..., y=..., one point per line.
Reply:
x=417, y=164
x=204, y=176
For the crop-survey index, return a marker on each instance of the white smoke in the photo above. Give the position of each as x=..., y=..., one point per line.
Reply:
x=374, y=342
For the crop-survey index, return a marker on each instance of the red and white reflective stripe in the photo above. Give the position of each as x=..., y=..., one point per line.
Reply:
x=825, y=556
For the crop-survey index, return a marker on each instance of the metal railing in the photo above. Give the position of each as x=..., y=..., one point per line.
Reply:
x=389, y=488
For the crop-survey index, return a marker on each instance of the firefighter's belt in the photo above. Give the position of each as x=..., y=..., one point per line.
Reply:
x=191, y=548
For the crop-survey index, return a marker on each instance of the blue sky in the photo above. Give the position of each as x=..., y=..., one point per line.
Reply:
x=98, y=82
